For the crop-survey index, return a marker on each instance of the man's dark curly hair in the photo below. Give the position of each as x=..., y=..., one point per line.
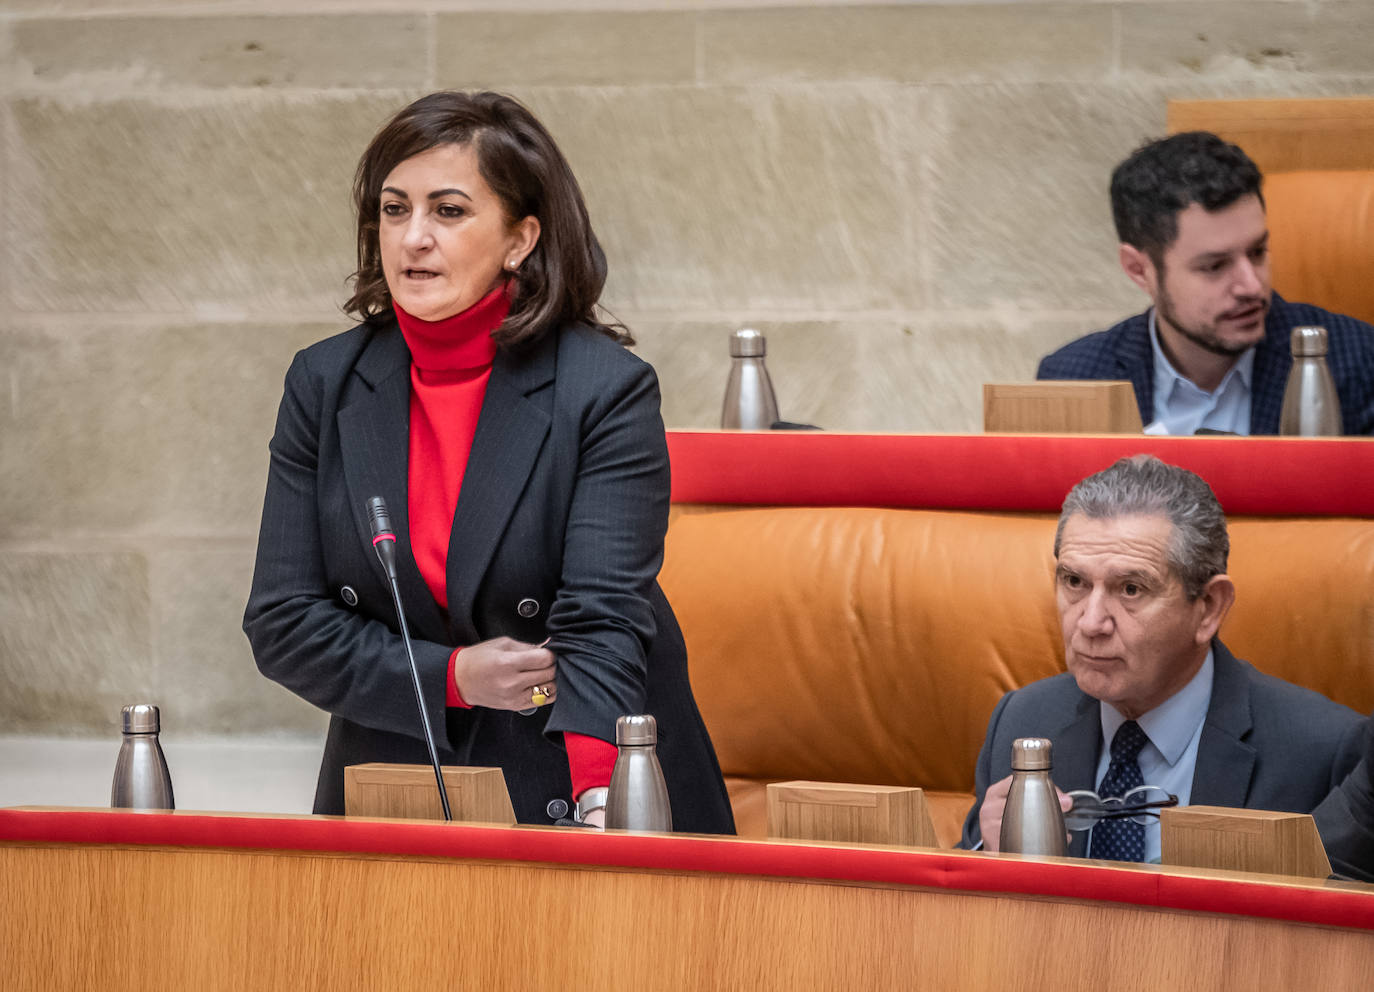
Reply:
x=1164, y=177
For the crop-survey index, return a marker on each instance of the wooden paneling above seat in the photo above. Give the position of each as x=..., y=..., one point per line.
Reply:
x=1287, y=135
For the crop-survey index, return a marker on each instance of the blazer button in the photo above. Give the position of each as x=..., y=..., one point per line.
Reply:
x=348, y=595
x=527, y=608
x=557, y=809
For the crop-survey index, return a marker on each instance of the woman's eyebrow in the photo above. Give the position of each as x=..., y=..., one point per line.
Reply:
x=449, y=191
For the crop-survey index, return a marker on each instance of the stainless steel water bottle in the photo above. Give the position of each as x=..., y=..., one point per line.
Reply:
x=1033, y=822
x=141, y=779
x=1311, y=407
x=638, y=798
x=750, y=404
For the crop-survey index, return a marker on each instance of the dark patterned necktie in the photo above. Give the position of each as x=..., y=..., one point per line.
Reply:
x=1121, y=840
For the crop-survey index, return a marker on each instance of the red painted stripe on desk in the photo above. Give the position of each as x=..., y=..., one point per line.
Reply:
x=923, y=868
x=1255, y=476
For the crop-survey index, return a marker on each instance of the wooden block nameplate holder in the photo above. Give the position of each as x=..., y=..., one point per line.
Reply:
x=1243, y=840
x=850, y=814
x=1060, y=407
x=475, y=795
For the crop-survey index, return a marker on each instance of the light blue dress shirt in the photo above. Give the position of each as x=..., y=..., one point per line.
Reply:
x=1180, y=407
x=1174, y=728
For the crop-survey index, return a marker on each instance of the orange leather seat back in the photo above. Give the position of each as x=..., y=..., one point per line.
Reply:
x=1305, y=602
x=1321, y=226
x=857, y=644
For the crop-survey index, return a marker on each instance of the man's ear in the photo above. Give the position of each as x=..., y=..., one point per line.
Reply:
x=1138, y=267
x=1215, y=602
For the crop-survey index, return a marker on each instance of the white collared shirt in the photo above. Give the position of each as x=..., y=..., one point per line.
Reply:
x=1181, y=407
x=1169, y=759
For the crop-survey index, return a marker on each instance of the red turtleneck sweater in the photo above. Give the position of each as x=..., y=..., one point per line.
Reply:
x=450, y=363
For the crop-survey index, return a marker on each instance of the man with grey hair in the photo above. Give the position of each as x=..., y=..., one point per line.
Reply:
x=1152, y=698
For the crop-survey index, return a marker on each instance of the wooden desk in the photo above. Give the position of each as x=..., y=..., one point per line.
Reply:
x=105, y=899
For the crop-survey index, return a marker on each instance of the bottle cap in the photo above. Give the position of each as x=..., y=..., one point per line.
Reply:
x=636, y=730
x=1030, y=754
x=748, y=343
x=1309, y=342
x=141, y=718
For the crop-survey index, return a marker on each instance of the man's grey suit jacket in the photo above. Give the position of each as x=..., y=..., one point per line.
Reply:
x=1266, y=743
x=1346, y=819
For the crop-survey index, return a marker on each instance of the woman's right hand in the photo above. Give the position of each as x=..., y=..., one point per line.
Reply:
x=503, y=673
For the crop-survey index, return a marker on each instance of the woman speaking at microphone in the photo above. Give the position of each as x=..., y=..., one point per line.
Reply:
x=521, y=454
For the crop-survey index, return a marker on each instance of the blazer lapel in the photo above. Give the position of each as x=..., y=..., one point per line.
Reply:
x=374, y=436
x=1225, y=763
x=1075, y=758
x=1135, y=360
x=1269, y=374
x=510, y=433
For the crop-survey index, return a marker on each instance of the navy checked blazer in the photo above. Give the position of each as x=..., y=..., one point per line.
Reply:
x=1124, y=352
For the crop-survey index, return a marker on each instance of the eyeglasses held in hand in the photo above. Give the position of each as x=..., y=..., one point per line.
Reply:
x=1140, y=805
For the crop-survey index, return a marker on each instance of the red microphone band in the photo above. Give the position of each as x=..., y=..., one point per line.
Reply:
x=384, y=536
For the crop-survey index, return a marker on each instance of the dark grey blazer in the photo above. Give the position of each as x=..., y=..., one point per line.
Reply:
x=1345, y=818
x=1266, y=743
x=564, y=502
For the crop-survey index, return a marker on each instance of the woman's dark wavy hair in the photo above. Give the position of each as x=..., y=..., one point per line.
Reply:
x=560, y=281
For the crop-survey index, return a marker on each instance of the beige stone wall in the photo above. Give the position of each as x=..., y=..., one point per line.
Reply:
x=909, y=200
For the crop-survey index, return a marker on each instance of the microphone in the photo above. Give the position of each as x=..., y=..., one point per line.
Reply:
x=383, y=538
x=384, y=541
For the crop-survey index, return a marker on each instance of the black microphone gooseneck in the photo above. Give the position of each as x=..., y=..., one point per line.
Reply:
x=384, y=540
